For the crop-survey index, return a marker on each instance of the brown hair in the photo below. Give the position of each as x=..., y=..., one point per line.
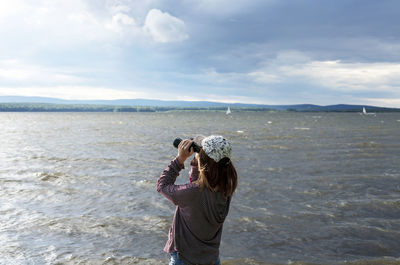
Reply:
x=221, y=176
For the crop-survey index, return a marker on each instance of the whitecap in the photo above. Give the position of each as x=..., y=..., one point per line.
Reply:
x=46, y=176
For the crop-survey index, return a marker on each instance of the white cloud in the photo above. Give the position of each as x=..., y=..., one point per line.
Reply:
x=295, y=77
x=349, y=76
x=16, y=71
x=262, y=77
x=50, y=23
x=76, y=92
x=69, y=23
x=165, y=28
x=384, y=102
x=10, y=8
x=293, y=67
x=218, y=98
x=118, y=8
x=73, y=92
x=119, y=21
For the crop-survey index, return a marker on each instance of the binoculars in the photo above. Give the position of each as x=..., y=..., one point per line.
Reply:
x=195, y=146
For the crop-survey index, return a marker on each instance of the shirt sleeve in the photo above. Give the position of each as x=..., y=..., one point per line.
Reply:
x=177, y=194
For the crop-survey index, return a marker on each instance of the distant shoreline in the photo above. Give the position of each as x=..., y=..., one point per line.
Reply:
x=49, y=107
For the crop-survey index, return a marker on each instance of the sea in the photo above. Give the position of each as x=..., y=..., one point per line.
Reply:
x=314, y=188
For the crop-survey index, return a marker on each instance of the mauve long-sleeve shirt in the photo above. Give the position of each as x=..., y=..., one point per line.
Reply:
x=196, y=229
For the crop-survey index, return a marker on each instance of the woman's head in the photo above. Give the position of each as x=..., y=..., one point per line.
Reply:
x=216, y=168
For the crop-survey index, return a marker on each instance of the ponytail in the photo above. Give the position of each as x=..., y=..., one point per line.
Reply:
x=221, y=176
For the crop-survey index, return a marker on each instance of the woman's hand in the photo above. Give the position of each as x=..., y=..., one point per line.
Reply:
x=183, y=150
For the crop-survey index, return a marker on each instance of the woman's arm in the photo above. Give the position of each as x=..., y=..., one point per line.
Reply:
x=177, y=194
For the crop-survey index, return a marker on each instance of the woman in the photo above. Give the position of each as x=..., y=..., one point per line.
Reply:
x=202, y=204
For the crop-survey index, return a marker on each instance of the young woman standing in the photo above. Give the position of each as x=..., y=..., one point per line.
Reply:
x=202, y=204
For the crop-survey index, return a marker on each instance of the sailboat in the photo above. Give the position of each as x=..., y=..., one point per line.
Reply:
x=364, y=112
x=228, y=111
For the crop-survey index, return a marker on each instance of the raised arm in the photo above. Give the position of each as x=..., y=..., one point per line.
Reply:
x=166, y=182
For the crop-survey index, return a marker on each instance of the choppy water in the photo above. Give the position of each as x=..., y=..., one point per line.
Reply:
x=79, y=188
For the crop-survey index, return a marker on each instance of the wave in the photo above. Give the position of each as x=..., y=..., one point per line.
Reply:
x=280, y=137
x=47, y=176
x=144, y=183
x=265, y=147
x=374, y=208
x=387, y=261
x=370, y=144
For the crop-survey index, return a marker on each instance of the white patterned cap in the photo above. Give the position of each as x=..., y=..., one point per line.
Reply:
x=216, y=147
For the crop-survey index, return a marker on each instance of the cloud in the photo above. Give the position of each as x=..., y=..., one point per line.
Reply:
x=165, y=28
x=50, y=24
x=225, y=7
x=15, y=71
x=266, y=78
x=349, y=76
x=119, y=21
x=294, y=77
x=215, y=97
x=295, y=67
x=10, y=8
x=74, y=92
x=262, y=50
x=386, y=102
x=67, y=24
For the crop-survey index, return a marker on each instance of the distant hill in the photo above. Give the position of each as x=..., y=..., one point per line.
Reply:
x=16, y=103
x=124, y=102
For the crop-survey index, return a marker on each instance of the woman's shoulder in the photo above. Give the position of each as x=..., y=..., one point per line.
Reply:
x=191, y=187
x=214, y=195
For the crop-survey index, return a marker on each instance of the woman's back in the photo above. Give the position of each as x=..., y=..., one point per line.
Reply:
x=196, y=229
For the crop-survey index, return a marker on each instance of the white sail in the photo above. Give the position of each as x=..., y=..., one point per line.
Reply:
x=228, y=111
x=364, y=112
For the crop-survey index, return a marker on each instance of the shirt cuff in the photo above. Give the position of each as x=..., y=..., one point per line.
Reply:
x=178, y=164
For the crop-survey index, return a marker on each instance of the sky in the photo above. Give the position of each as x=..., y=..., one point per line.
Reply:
x=248, y=51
